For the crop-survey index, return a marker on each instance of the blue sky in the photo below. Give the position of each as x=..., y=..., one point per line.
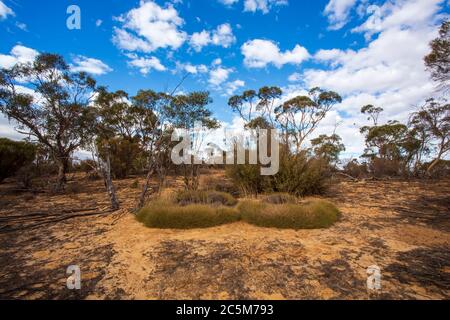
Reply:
x=368, y=51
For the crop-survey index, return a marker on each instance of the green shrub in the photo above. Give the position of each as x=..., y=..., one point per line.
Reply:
x=13, y=156
x=298, y=175
x=301, y=175
x=205, y=197
x=311, y=215
x=135, y=184
x=279, y=198
x=164, y=215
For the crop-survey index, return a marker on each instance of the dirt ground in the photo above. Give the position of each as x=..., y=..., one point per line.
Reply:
x=402, y=227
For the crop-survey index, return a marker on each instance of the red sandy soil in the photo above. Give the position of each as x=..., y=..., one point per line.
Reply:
x=403, y=227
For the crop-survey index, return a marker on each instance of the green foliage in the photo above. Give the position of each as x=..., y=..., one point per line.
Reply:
x=205, y=197
x=438, y=61
x=310, y=215
x=169, y=216
x=328, y=147
x=124, y=154
x=299, y=175
x=13, y=156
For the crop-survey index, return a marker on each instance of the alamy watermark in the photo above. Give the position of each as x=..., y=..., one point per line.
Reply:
x=374, y=278
x=201, y=145
x=73, y=282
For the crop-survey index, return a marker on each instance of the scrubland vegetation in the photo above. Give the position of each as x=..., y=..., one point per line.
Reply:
x=128, y=138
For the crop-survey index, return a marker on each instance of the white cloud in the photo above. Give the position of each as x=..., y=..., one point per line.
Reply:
x=5, y=11
x=150, y=27
x=232, y=86
x=90, y=65
x=295, y=77
x=263, y=5
x=222, y=36
x=337, y=12
x=98, y=23
x=228, y=2
x=259, y=53
x=414, y=14
x=145, y=65
x=389, y=72
x=192, y=69
x=219, y=75
x=18, y=54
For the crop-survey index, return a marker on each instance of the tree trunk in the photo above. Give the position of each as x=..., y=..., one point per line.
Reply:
x=106, y=168
x=438, y=158
x=63, y=165
x=145, y=189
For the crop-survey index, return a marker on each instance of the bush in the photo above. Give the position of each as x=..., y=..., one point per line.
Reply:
x=279, y=198
x=380, y=167
x=300, y=175
x=311, y=215
x=165, y=215
x=205, y=197
x=13, y=156
x=247, y=178
x=356, y=170
x=135, y=184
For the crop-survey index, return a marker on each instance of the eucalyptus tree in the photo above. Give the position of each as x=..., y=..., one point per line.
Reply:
x=438, y=60
x=302, y=115
x=433, y=120
x=50, y=104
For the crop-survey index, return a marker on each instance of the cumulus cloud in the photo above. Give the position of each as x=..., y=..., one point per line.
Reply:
x=337, y=12
x=150, y=27
x=389, y=72
x=232, y=86
x=221, y=36
x=145, y=64
x=18, y=54
x=219, y=75
x=259, y=53
x=90, y=65
x=5, y=11
x=263, y=5
x=295, y=77
x=192, y=69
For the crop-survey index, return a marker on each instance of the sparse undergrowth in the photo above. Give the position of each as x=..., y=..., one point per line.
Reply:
x=314, y=214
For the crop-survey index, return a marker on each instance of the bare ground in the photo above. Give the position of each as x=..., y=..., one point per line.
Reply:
x=403, y=227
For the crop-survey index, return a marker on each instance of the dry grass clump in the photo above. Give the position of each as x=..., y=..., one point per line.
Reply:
x=315, y=214
x=165, y=215
x=279, y=198
x=205, y=197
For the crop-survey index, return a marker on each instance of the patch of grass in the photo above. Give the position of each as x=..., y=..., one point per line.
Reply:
x=164, y=215
x=315, y=214
x=205, y=197
x=279, y=198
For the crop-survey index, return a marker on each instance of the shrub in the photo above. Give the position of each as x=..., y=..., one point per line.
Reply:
x=300, y=175
x=247, y=178
x=279, y=198
x=205, y=197
x=311, y=215
x=13, y=156
x=165, y=215
x=356, y=170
